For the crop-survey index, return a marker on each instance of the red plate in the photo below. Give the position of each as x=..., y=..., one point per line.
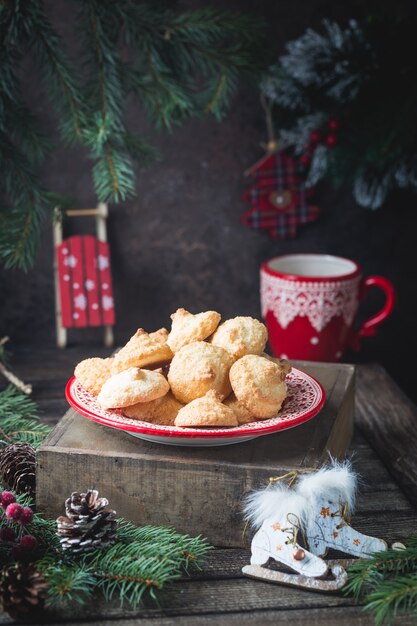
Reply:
x=305, y=399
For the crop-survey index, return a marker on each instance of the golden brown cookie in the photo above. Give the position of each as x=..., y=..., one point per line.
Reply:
x=198, y=368
x=240, y=336
x=283, y=364
x=131, y=386
x=206, y=411
x=143, y=349
x=93, y=373
x=244, y=416
x=257, y=382
x=162, y=411
x=187, y=328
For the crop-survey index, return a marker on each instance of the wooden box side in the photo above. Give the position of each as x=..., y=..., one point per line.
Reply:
x=196, y=490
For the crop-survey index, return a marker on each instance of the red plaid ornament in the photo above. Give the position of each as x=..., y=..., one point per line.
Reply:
x=278, y=198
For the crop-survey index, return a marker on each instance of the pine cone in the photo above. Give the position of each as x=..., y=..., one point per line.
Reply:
x=88, y=525
x=23, y=589
x=17, y=467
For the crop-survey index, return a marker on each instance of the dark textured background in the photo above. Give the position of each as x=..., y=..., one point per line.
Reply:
x=180, y=243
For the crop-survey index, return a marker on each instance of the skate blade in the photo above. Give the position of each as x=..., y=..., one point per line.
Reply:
x=298, y=580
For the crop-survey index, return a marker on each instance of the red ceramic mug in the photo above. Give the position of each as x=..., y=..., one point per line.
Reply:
x=310, y=301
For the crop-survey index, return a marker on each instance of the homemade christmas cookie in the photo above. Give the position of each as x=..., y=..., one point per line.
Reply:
x=187, y=328
x=240, y=336
x=161, y=411
x=257, y=382
x=143, y=349
x=244, y=416
x=283, y=364
x=206, y=411
x=131, y=386
x=198, y=368
x=93, y=373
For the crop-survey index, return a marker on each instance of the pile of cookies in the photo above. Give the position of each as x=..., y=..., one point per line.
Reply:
x=202, y=373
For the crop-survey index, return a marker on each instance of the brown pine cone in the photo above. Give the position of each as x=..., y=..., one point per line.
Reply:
x=22, y=589
x=17, y=467
x=88, y=524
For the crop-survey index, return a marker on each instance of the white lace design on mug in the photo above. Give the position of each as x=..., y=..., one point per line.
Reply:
x=319, y=302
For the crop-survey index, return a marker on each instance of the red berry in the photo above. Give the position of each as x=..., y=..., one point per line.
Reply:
x=6, y=498
x=305, y=159
x=7, y=534
x=26, y=515
x=315, y=137
x=28, y=542
x=14, y=511
x=333, y=124
x=331, y=140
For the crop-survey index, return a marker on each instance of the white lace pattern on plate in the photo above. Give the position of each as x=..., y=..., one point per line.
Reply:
x=319, y=302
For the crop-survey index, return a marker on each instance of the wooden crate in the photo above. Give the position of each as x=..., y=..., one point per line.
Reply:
x=197, y=490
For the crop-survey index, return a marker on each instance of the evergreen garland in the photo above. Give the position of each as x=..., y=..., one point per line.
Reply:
x=344, y=98
x=176, y=63
x=141, y=562
x=386, y=583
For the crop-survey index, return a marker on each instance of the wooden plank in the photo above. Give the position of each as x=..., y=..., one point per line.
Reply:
x=387, y=418
x=342, y=616
x=191, y=488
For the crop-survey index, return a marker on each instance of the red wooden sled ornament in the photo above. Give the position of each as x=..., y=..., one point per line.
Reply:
x=83, y=282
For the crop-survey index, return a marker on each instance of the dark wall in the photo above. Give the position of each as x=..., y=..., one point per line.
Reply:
x=180, y=243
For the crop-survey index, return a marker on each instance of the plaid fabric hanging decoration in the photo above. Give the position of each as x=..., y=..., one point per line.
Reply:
x=278, y=198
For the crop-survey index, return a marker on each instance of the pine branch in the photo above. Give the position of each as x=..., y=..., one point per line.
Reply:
x=141, y=562
x=176, y=63
x=139, y=149
x=190, y=550
x=57, y=74
x=113, y=174
x=19, y=419
x=365, y=573
x=180, y=50
x=68, y=583
x=341, y=73
x=393, y=597
x=144, y=560
x=387, y=582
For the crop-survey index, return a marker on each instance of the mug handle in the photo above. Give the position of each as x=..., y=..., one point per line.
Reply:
x=369, y=327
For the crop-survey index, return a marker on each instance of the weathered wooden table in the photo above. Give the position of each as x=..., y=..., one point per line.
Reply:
x=384, y=453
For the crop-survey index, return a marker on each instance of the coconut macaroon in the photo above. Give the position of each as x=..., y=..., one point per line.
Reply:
x=188, y=328
x=241, y=336
x=131, y=386
x=244, y=416
x=93, y=373
x=257, y=383
x=206, y=411
x=198, y=368
x=143, y=349
x=161, y=411
x=282, y=363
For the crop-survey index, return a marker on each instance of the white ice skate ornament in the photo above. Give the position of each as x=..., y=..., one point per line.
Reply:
x=313, y=506
x=278, y=540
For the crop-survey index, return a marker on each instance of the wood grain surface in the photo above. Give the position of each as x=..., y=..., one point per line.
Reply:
x=219, y=594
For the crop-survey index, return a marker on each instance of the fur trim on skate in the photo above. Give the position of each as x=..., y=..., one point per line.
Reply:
x=335, y=481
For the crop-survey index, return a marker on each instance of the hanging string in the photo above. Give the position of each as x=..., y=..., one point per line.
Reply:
x=291, y=476
x=272, y=145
